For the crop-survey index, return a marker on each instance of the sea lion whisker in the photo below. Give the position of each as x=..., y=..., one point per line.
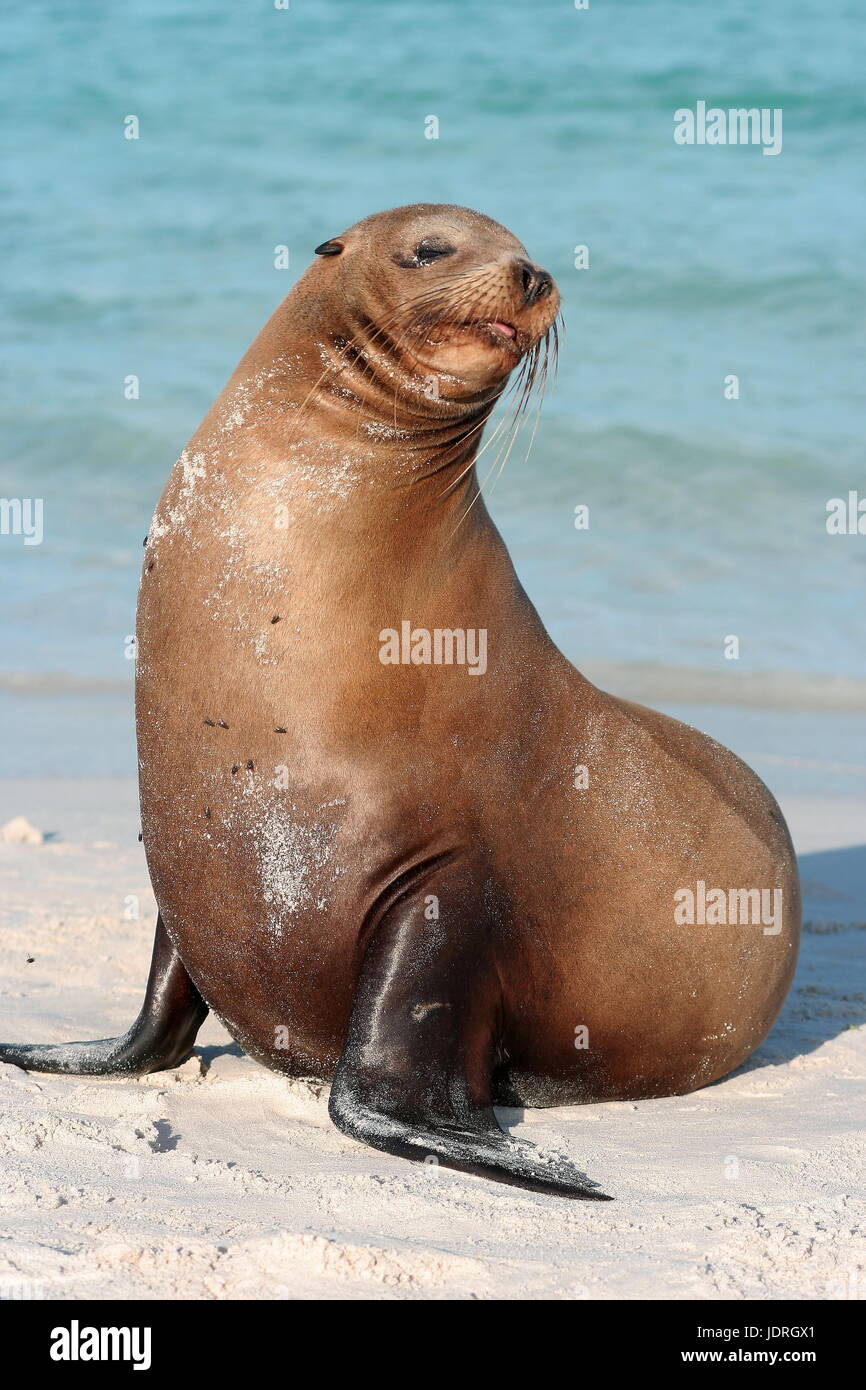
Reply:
x=514, y=436
x=479, y=489
x=475, y=457
x=530, y=364
x=503, y=423
x=513, y=430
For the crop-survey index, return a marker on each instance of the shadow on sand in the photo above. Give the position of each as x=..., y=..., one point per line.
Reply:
x=828, y=995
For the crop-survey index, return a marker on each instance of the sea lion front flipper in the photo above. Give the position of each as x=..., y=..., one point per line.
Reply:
x=414, y=1077
x=161, y=1037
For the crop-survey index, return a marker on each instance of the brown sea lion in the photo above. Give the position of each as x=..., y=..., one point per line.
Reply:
x=396, y=839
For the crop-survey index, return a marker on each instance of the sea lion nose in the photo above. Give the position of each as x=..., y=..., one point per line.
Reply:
x=535, y=282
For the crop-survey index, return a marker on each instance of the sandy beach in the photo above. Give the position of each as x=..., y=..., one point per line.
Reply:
x=221, y=1180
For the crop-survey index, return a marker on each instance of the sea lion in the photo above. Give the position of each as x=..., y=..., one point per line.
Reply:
x=396, y=839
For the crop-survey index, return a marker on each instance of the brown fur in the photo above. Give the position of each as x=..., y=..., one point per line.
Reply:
x=330, y=489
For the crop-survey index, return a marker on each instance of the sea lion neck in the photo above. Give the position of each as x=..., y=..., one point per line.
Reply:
x=363, y=372
x=308, y=418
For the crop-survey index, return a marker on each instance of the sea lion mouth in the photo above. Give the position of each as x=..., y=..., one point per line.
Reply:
x=504, y=334
x=498, y=333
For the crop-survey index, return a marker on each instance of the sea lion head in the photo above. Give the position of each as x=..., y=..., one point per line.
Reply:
x=441, y=299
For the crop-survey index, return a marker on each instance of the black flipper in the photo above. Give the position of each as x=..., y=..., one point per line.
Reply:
x=414, y=1077
x=161, y=1037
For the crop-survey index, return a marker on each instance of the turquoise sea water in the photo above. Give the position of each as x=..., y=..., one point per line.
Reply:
x=261, y=127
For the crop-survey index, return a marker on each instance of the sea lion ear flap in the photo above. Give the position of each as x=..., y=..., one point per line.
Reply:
x=329, y=248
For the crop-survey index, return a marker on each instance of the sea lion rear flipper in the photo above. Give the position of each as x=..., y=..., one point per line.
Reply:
x=414, y=1077
x=161, y=1037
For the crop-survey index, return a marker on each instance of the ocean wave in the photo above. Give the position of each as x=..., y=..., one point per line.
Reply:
x=653, y=683
x=63, y=683
x=645, y=682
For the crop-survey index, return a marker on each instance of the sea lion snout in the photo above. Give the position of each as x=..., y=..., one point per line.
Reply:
x=535, y=283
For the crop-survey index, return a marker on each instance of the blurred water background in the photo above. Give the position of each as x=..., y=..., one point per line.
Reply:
x=261, y=127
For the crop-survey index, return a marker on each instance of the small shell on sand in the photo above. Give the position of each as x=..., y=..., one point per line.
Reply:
x=19, y=831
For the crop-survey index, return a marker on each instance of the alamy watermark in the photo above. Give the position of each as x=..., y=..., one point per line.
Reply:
x=740, y=125
x=715, y=907
x=443, y=646
x=22, y=516
x=77, y=1343
x=846, y=516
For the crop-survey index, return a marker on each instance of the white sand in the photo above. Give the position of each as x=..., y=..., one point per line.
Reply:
x=221, y=1180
